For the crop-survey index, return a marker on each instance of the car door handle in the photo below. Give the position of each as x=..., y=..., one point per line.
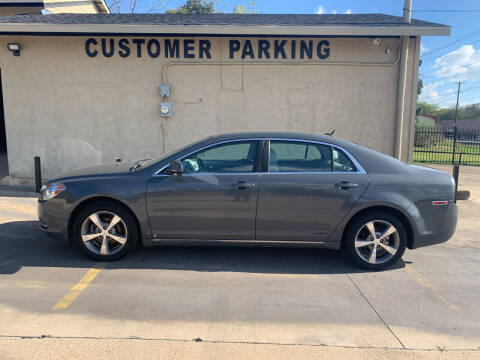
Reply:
x=241, y=185
x=345, y=185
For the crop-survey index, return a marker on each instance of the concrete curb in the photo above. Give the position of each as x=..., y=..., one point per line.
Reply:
x=463, y=195
x=15, y=181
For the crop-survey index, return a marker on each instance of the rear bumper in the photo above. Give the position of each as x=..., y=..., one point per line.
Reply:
x=438, y=226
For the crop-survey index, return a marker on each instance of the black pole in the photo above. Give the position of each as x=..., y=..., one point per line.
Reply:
x=456, y=169
x=455, y=130
x=38, y=174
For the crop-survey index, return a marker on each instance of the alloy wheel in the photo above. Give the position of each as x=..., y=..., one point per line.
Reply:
x=377, y=242
x=104, y=233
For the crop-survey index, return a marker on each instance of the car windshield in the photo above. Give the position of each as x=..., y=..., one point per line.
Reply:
x=170, y=153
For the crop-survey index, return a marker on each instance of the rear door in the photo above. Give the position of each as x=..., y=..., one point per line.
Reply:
x=307, y=190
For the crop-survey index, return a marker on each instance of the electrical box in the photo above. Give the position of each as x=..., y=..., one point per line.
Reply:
x=165, y=90
x=165, y=109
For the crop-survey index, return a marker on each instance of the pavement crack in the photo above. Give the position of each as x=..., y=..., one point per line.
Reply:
x=375, y=310
x=100, y=338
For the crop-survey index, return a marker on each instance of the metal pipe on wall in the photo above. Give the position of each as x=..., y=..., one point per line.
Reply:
x=402, y=81
x=339, y=63
x=317, y=63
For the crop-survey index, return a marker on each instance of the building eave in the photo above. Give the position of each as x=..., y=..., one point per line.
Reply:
x=220, y=30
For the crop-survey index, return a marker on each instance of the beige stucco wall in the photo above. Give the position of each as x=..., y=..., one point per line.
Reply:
x=75, y=111
x=15, y=10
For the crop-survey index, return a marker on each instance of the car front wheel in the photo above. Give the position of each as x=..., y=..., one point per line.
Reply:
x=376, y=241
x=105, y=231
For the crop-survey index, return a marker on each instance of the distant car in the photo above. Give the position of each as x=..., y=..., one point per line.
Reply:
x=258, y=189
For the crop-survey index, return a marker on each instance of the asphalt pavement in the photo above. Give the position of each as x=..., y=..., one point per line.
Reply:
x=216, y=302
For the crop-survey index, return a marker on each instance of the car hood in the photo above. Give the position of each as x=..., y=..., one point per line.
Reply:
x=99, y=170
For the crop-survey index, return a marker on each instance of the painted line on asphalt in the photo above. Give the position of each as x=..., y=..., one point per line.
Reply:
x=77, y=289
x=427, y=285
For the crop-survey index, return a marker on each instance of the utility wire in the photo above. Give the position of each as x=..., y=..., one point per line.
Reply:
x=448, y=11
x=430, y=52
x=452, y=70
x=445, y=53
x=471, y=88
x=447, y=93
x=471, y=96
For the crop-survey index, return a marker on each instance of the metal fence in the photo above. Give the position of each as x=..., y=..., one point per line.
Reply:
x=447, y=146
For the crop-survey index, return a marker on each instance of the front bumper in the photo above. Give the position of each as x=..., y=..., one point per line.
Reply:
x=51, y=218
x=438, y=224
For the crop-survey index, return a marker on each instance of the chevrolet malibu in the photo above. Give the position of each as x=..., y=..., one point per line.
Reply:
x=267, y=189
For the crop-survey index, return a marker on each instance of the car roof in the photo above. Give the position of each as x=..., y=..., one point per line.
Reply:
x=282, y=135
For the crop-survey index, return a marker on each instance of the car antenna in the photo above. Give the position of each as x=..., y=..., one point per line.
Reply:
x=330, y=133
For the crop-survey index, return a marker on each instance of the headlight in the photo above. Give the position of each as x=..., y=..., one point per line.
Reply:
x=51, y=190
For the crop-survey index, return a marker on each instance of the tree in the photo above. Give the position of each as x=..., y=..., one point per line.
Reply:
x=419, y=108
x=419, y=87
x=188, y=7
x=194, y=7
x=130, y=6
x=251, y=8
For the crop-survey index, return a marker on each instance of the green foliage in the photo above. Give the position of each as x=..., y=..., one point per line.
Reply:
x=419, y=109
x=419, y=86
x=425, y=108
x=194, y=7
x=427, y=136
x=431, y=146
x=208, y=7
x=250, y=8
x=240, y=9
x=471, y=111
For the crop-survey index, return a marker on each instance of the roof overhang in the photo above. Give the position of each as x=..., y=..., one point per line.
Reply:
x=219, y=30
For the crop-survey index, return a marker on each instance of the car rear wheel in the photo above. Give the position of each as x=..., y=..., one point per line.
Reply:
x=376, y=241
x=105, y=231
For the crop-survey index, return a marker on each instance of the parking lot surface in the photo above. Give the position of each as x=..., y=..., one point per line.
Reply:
x=214, y=302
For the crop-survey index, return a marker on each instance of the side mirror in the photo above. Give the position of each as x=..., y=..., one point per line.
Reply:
x=176, y=168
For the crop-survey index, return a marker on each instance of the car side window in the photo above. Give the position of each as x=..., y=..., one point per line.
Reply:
x=341, y=162
x=297, y=156
x=238, y=156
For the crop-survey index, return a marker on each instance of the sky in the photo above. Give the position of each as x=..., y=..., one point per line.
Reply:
x=445, y=60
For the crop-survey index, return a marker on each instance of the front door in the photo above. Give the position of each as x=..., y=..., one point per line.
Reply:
x=307, y=191
x=215, y=198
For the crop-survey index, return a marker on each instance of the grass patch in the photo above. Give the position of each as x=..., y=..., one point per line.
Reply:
x=439, y=158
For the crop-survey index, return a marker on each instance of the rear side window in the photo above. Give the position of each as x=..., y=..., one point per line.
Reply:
x=341, y=162
x=296, y=156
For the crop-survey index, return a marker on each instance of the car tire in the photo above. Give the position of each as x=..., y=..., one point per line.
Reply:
x=359, y=242
x=116, y=238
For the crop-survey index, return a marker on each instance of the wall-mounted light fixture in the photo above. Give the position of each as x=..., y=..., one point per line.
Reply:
x=14, y=48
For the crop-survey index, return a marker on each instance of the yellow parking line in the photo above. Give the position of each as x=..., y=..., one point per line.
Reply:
x=426, y=284
x=78, y=287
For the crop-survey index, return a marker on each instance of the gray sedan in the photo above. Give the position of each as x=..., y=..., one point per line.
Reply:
x=262, y=189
